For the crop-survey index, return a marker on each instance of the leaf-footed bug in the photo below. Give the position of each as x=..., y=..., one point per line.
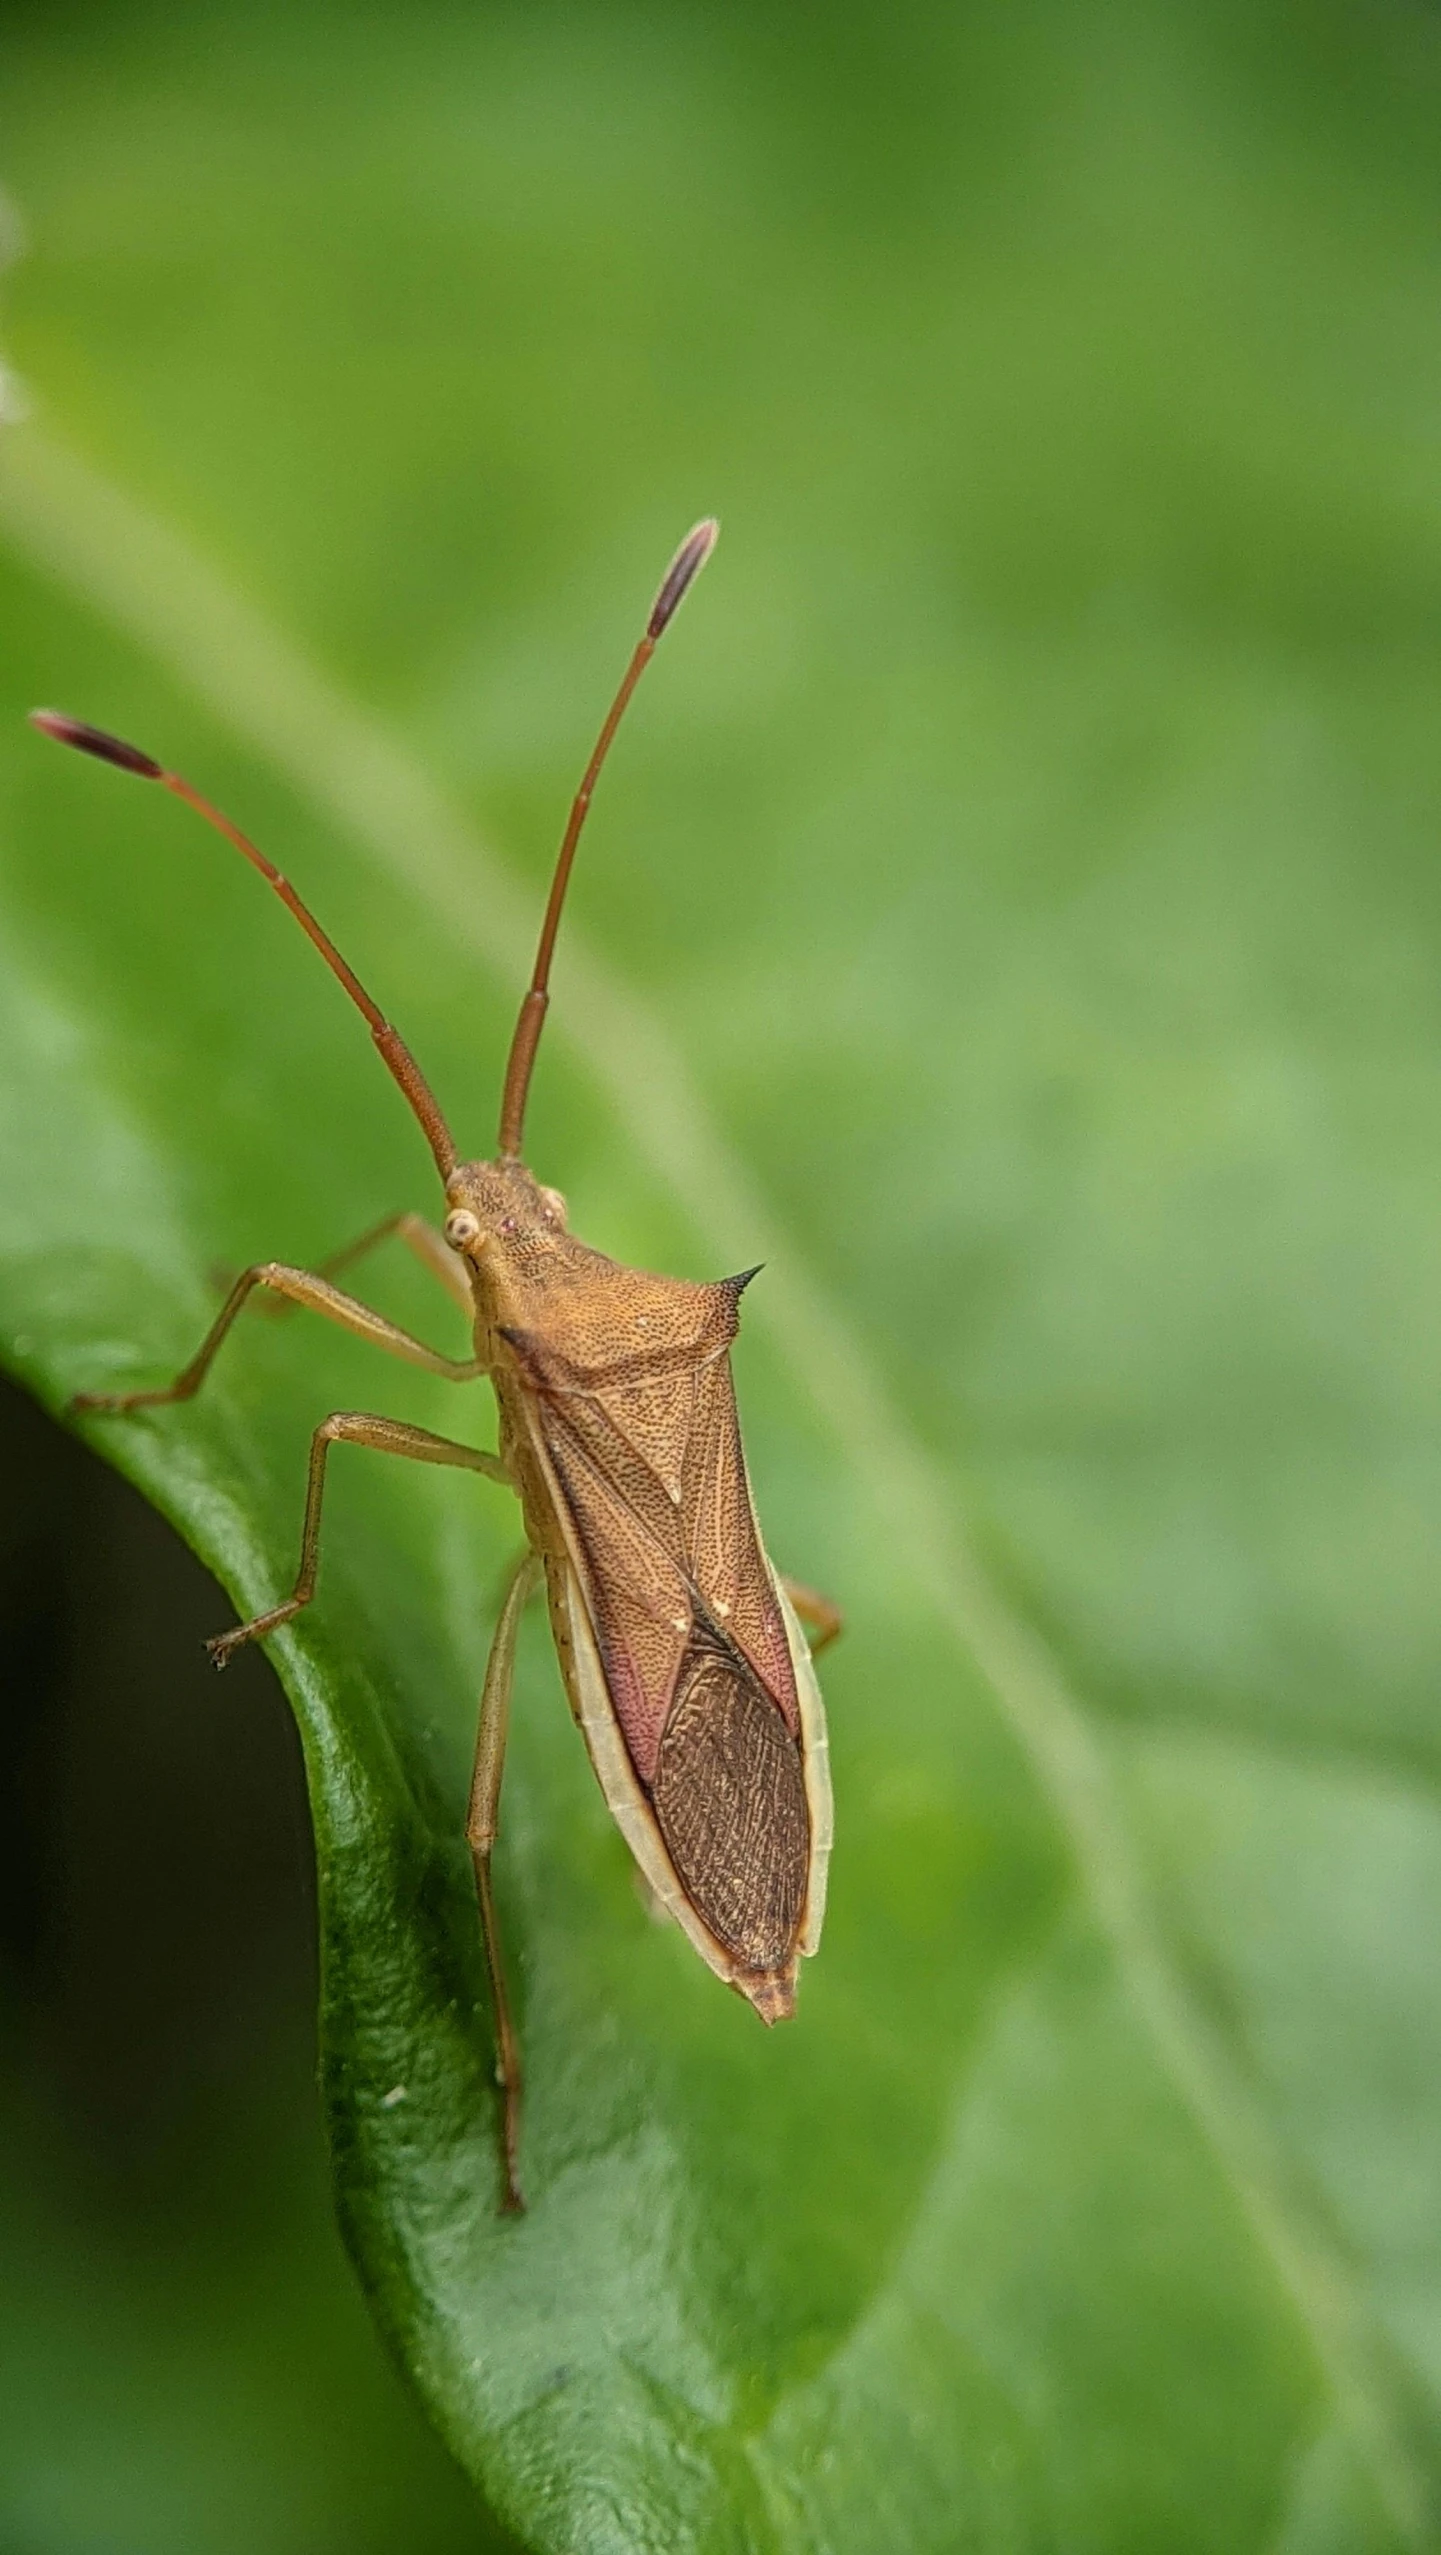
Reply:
x=679, y=1643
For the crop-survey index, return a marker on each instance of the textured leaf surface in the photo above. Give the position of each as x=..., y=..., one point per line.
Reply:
x=1014, y=917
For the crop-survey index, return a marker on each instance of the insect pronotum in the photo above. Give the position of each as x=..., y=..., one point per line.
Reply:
x=679, y=1643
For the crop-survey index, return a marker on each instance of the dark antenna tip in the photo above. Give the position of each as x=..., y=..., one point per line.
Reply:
x=681, y=575
x=97, y=741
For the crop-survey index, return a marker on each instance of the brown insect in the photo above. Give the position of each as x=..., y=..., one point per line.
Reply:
x=679, y=1643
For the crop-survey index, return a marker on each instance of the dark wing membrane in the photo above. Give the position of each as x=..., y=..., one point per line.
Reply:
x=730, y=1797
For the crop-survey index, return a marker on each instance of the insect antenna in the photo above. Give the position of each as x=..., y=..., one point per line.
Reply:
x=684, y=568
x=392, y=1047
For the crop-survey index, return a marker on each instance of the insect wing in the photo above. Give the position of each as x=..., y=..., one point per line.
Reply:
x=691, y=1639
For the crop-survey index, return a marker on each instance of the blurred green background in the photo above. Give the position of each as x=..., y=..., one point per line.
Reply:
x=1032, y=841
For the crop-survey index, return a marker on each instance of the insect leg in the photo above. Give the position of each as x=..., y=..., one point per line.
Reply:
x=358, y=1428
x=301, y=1288
x=820, y=1615
x=480, y=1827
x=429, y=1245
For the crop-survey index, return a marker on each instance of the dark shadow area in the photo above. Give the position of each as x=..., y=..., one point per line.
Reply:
x=185, y=2360
x=157, y=1921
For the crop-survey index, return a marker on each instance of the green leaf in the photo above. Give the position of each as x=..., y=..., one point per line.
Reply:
x=1012, y=916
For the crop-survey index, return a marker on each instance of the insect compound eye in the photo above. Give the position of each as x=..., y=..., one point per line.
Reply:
x=461, y=1229
x=555, y=1206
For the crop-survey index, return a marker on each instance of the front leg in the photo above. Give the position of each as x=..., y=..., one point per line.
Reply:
x=429, y=1246
x=357, y=1428
x=298, y=1286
